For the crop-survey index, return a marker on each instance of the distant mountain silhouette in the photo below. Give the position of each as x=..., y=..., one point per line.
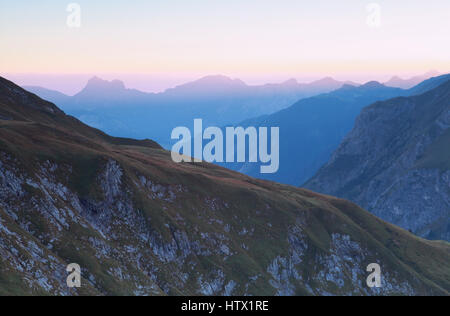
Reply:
x=330, y=83
x=97, y=85
x=209, y=85
x=398, y=82
x=218, y=100
x=99, y=92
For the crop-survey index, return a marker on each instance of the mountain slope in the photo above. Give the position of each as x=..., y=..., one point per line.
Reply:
x=47, y=94
x=137, y=223
x=396, y=163
x=428, y=85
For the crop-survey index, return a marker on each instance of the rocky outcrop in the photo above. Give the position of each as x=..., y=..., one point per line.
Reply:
x=145, y=255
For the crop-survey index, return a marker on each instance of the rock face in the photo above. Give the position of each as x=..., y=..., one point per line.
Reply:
x=396, y=163
x=139, y=224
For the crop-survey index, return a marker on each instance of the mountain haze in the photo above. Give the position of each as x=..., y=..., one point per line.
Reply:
x=218, y=100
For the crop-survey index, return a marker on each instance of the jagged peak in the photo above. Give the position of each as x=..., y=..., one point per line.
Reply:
x=96, y=83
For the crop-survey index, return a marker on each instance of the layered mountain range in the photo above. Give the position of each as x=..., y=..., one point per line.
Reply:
x=396, y=163
x=312, y=128
x=218, y=100
x=139, y=224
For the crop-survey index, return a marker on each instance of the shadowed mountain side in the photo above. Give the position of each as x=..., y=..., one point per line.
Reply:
x=396, y=163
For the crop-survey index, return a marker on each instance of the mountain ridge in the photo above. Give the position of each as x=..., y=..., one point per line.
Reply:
x=215, y=80
x=398, y=82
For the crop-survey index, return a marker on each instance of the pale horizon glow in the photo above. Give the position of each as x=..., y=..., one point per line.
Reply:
x=71, y=84
x=153, y=46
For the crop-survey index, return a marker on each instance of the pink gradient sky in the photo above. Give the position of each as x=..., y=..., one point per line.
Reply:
x=153, y=45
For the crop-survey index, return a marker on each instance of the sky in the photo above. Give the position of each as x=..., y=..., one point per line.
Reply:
x=157, y=44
